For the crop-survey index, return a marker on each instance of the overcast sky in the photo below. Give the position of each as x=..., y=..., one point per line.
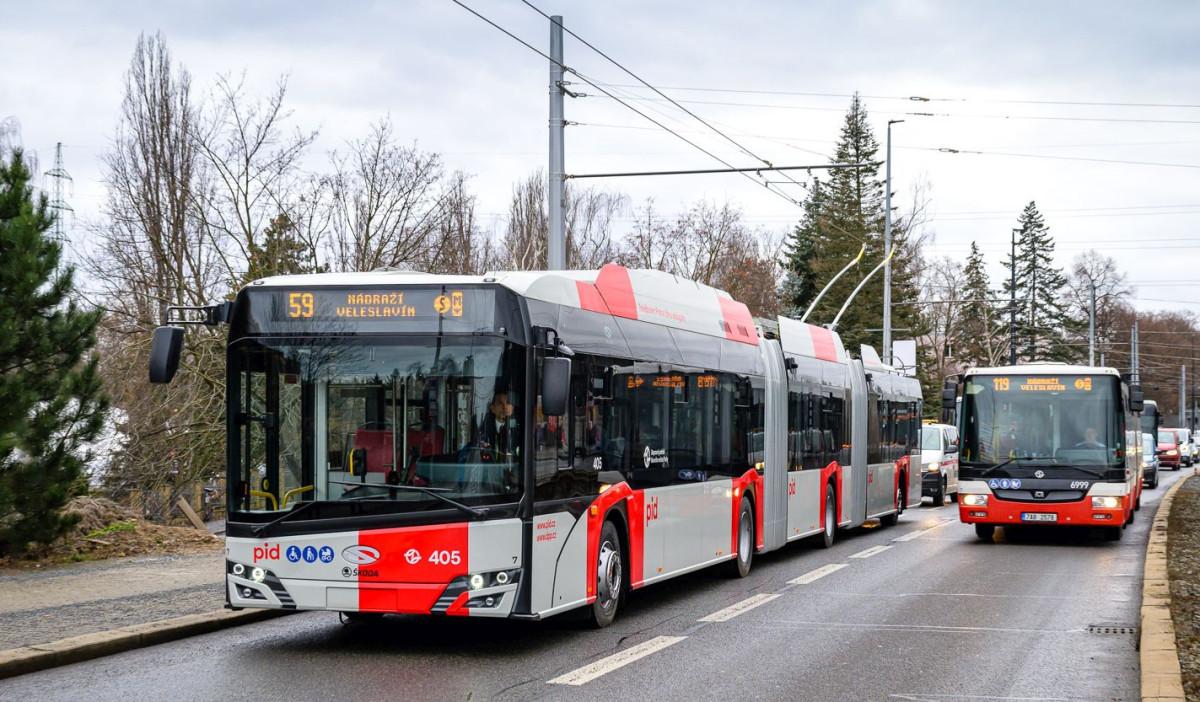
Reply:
x=459, y=87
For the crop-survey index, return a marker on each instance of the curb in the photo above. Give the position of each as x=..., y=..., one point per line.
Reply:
x=28, y=659
x=1162, y=680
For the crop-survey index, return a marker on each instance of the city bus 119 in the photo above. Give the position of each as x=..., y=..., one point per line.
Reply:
x=1049, y=444
x=522, y=444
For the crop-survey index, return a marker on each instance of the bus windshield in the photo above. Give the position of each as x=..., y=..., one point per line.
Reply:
x=395, y=419
x=1070, y=420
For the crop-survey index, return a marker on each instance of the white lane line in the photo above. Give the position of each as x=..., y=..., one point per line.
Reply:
x=918, y=534
x=620, y=659
x=814, y=575
x=735, y=609
x=870, y=552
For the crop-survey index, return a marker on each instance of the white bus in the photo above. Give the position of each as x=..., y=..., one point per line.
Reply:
x=521, y=444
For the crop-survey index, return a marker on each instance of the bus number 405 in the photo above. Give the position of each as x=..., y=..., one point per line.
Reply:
x=445, y=557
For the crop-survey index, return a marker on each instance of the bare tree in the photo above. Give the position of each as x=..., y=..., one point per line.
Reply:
x=385, y=203
x=588, y=218
x=459, y=246
x=1112, y=291
x=254, y=162
x=149, y=252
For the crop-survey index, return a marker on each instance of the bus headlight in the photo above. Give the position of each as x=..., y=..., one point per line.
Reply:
x=258, y=575
x=239, y=569
x=476, y=581
x=975, y=500
x=1105, y=502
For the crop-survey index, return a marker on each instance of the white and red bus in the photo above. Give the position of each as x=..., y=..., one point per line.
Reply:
x=1049, y=444
x=522, y=444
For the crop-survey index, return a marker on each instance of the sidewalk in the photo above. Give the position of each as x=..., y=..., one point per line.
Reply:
x=56, y=603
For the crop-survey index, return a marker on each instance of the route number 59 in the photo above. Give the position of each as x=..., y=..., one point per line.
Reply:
x=300, y=305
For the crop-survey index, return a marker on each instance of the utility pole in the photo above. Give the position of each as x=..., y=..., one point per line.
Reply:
x=1012, y=304
x=58, y=204
x=1092, y=328
x=887, y=250
x=1133, y=354
x=1033, y=313
x=556, y=254
x=1182, y=395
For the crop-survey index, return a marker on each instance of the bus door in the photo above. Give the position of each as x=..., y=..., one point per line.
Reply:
x=854, y=476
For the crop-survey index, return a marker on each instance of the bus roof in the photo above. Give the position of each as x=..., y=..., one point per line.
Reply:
x=1044, y=369
x=632, y=293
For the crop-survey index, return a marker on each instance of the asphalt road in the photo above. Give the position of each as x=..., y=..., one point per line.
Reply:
x=921, y=611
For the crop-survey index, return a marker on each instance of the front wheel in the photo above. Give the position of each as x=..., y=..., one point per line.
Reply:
x=1154, y=484
x=985, y=532
x=740, y=566
x=939, y=495
x=610, y=578
x=827, y=536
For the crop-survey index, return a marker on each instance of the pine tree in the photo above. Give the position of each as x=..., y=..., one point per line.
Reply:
x=842, y=215
x=1044, y=323
x=977, y=339
x=800, y=280
x=53, y=402
x=280, y=252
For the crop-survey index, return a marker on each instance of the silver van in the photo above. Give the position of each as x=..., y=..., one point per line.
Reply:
x=939, y=462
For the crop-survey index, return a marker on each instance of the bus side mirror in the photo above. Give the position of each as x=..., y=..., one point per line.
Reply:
x=556, y=385
x=165, y=347
x=949, y=395
x=1137, y=401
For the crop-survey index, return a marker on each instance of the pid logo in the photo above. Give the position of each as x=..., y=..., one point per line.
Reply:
x=266, y=552
x=413, y=556
x=652, y=510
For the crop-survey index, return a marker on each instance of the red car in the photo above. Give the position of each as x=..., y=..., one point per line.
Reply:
x=1168, y=449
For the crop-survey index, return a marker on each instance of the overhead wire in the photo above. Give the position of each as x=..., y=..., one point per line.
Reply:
x=621, y=101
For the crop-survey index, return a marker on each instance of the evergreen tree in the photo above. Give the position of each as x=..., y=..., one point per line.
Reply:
x=800, y=281
x=53, y=402
x=977, y=339
x=843, y=214
x=1044, y=323
x=281, y=251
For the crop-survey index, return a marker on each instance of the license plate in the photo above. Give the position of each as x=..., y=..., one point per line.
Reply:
x=1039, y=517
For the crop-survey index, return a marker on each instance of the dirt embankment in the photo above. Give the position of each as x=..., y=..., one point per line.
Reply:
x=1183, y=566
x=108, y=530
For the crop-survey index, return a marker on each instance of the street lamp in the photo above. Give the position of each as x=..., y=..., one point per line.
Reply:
x=887, y=250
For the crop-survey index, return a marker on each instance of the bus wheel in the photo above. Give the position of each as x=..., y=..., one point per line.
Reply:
x=1113, y=533
x=830, y=518
x=610, y=578
x=985, y=532
x=740, y=566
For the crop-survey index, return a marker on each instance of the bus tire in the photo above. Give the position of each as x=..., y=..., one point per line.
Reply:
x=985, y=532
x=360, y=617
x=1113, y=533
x=739, y=567
x=610, y=578
x=830, y=532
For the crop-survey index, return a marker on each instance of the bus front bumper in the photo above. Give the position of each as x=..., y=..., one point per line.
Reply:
x=1008, y=512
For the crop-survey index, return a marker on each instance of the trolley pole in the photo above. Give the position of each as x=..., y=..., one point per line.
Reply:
x=887, y=250
x=556, y=256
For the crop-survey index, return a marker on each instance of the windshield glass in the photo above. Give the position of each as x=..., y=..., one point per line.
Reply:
x=376, y=419
x=1183, y=436
x=1166, y=436
x=1072, y=420
x=931, y=439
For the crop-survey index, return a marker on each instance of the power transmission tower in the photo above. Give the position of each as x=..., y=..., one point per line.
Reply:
x=58, y=203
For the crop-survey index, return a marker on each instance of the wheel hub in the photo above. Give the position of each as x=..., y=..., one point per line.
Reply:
x=608, y=575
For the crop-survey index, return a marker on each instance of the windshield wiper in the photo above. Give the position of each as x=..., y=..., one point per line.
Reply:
x=262, y=529
x=473, y=511
x=1001, y=464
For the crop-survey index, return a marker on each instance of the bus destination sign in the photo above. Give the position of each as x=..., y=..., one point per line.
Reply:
x=1041, y=384
x=375, y=304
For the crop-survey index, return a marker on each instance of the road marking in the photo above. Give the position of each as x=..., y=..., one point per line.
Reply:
x=617, y=660
x=742, y=607
x=923, y=697
x=918, y=534
x=870, y=552
x=815, y=575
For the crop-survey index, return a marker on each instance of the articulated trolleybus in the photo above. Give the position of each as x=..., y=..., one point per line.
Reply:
x=1048, y=444
x=523, y=444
